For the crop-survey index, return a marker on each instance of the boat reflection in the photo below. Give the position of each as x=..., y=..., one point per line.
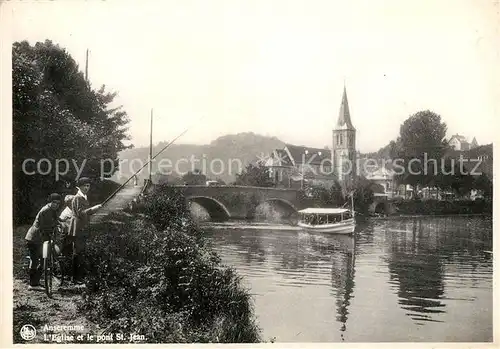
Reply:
x=420, y=266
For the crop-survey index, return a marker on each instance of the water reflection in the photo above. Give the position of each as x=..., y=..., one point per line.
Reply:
x=419, y=252
x=410, y=272
x=301, y=259
x=343, y=283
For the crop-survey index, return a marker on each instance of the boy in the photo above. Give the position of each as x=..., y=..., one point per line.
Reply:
x=78, y=225
x=45, y=222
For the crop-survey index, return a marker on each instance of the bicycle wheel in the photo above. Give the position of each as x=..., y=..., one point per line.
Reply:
x=47, y=272
x=57, y=267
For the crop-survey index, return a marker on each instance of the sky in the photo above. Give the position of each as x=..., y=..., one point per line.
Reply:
x=278, y=68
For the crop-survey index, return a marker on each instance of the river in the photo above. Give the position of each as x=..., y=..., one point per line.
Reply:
x=413, y=279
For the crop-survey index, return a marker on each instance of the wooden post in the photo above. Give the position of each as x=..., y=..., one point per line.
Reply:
x=151, y=147
x=87, y=66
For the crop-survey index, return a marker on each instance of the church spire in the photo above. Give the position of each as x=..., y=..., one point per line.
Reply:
x=344, y=121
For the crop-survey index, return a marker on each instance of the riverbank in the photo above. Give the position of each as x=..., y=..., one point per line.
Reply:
x=396, y=217
x=440, y=208
x=150, y=275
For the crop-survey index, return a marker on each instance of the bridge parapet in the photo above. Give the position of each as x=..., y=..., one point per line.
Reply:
x=239, y=202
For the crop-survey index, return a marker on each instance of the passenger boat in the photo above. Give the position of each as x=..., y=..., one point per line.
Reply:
x=327, y=220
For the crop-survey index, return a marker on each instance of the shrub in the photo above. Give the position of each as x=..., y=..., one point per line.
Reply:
x=167, y=209
x=156, y=277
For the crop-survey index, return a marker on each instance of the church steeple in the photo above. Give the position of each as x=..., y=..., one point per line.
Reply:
x=344, y=144
x=344, y=120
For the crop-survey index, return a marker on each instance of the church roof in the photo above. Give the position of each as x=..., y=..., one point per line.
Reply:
x=313, y=156
x=344, y=120
x=279, y=157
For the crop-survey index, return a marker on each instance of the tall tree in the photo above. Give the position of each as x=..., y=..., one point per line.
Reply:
x=420, y=146
x=58, y=116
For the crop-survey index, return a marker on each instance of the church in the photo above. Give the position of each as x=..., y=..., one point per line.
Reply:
x=298, y=166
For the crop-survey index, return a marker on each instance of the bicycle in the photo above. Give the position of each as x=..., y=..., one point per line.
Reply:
x=52, y=264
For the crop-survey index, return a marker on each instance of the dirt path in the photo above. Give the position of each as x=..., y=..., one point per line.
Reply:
x=36, y=309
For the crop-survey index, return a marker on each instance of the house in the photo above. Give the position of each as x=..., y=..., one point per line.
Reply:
x=459, y=142
x=294, y=166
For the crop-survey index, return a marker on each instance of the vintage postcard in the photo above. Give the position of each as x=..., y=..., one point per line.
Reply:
x=267, y=172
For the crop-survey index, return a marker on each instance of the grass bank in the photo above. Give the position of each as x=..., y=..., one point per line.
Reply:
x=150, y=275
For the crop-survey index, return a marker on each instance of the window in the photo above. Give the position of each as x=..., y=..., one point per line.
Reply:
x=341, y=140
x=333, y=218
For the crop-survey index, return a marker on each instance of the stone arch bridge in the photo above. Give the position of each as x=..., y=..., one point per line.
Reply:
x=227, y=202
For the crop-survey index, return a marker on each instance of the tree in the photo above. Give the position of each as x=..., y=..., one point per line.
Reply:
x=254, y=175
x=419, y=148
x=484, y=184
x=57, y=115
x=336, y=195
x=321, y=196
x=363, y=194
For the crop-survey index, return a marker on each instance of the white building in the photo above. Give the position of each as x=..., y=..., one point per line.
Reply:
x=459, y=142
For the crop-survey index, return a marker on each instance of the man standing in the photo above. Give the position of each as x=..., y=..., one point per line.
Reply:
x=78, y=227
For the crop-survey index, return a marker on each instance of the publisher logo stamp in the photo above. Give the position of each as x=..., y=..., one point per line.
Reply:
x=28, y=332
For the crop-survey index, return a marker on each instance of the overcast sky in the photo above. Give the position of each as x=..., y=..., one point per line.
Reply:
x=277, y=67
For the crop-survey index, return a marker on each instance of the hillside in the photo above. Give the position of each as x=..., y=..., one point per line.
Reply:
x=222, y=158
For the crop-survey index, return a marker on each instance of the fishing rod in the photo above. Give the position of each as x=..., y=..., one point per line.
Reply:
x=147, y=163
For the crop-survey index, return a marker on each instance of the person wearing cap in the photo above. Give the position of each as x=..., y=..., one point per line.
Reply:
x=78, y=224
x=40, y=231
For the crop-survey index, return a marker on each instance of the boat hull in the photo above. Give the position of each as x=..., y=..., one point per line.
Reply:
x=345, y=227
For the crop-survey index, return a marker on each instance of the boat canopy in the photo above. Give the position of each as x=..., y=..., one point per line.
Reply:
x=313, y=210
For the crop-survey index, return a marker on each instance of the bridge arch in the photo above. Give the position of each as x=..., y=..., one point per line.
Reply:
x=272, y=208
x=282, y=203
x=216, y=210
